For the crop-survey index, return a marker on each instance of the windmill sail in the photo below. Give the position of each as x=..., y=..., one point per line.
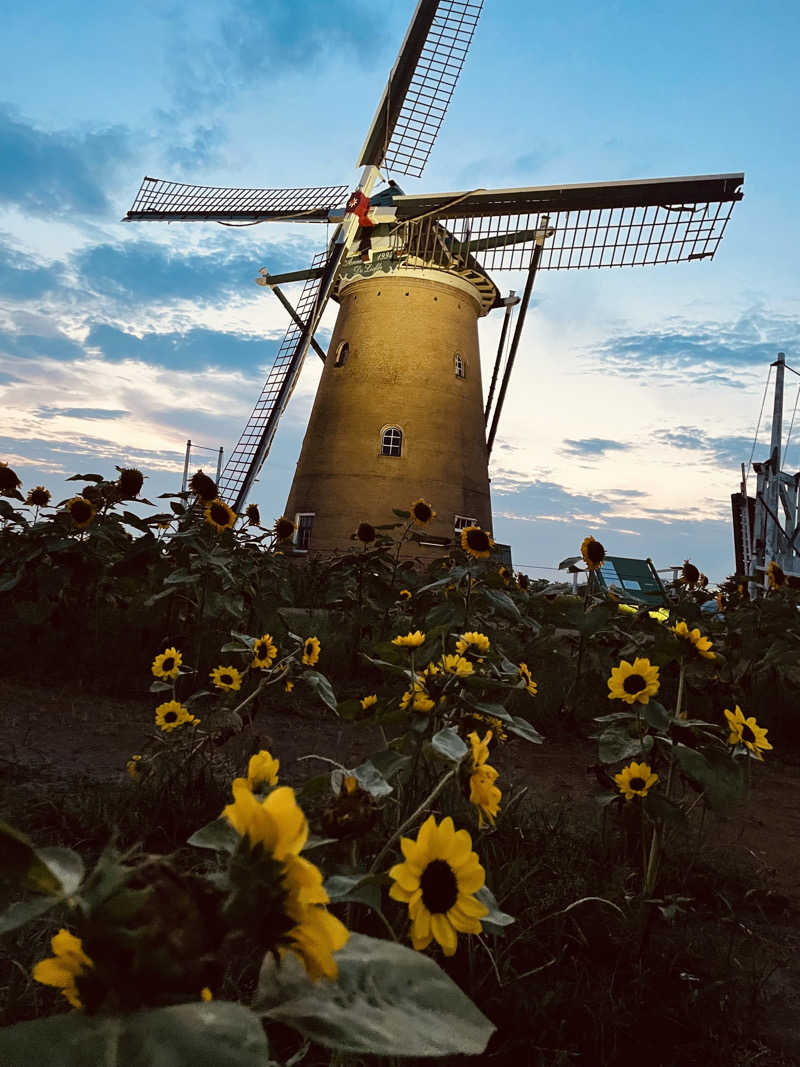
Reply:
x=615, y=224
x=164, y=201
x=253, y=446
x=421, y=86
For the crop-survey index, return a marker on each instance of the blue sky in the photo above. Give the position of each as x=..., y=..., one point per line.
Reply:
x=635, y=393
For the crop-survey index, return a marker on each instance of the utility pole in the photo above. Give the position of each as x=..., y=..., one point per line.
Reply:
x=774, y=464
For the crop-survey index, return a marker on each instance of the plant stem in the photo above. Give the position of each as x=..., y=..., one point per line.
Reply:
x=413, y=818
x=678, y=703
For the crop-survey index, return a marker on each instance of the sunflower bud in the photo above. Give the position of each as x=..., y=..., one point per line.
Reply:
x=365, y=533
x=283, y=528
x=130, y=482
x=253, y=515
x=203, y=486
x=38, y=497
x=8, y=478
x=352, y=813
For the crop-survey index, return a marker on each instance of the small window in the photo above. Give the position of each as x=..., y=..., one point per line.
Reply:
x=461, y=522
x=304, y=523
x=392, y=441
x=459, y=365
x=342, y=352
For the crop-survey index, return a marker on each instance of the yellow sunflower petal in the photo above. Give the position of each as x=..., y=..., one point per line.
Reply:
x=444, y=933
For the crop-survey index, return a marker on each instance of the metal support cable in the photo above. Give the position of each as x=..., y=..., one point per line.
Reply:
x=758, y=427
x=791, y=425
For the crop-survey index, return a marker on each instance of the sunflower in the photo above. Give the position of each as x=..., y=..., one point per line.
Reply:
x=293, y=918
x=81, y=511
x=479, y=719
x=421, y=512
x=636, y=778
x=690, y=575
x=701, y=644
x=483, y=792
x=130, y=482
x=456, y=665
x=219, y=515
x=523, y=581
x=636, y=681
x=418, y=697
x=368, y=702
x=206, y=994
x=437, y=881
x=167, y=664
x=475, y=643
x=366, y=533
x=262, y=769
x=702, y=581
x=133, y=767
x=289, y=686
x=172, y=714
x=311, y=648
x=505, y=573
x=530, y=685
x=253, y=515
x=283, y=528
x=63, y=969
x=264, y=652
x=38, y=497
x=410, y=640
x=776, y=576
x=8, y=478
x=226, y=678
x=594, y=555
x=476, y=542
x=404, y=594
x=746, y=732
x=203, y=486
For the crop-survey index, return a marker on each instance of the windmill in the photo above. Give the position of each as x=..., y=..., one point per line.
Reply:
x=399, y=412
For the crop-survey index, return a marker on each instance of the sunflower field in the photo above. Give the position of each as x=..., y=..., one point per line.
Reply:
x=329, y=844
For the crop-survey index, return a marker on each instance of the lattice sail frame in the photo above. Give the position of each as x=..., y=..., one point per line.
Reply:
x=600, y=237
x=159, y=200
x=432, y=86
x=245, y=454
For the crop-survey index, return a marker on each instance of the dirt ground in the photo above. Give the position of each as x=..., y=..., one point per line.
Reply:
x=54, y=736
x=62, y=734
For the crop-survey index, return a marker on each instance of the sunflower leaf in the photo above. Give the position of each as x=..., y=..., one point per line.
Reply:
x=388, y=1000
x=218, y=835
x=656, y=715
x=363, y=888
x=450, y=744
x=496, y=921
x=23, y=911
x=322, y=687
x=85, y=478
x=502, y=603
x=522, y=728
x=158, y=686
x=401, y=514
x=65, y=865
x=215, y=1034
x=615, y=744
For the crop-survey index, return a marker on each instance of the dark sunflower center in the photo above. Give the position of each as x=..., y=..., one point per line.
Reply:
x=637, y=783
x=81, y=510
x=439, y=887
x=747, y=734
x=422, y=512
x=170, y=716
x=309, y=648
x=634, y=683
x=595, y=552
x=283, y=528
x=366, y=533
x=691, y=573
x=219, y=513
x=477, y=540
x=261, y=650
x=226, y=679
x=168, y=663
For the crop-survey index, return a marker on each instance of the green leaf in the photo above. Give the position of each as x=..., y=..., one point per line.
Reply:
x=502, y=603
x=658, y=806
x=368, y=777
x=388, y=1000
x=21, y=868
x=449, y=744
x=401, y=514
x=11, y=580
x=6, y=510
x=389, y=762
x=85, y=478
x=522, y=728
x=496, y=921
x=216, y=1034
x=321, y=686
x=218, y=835
x=65, y=865
x=716, y=773
x=364, y=888
x=159, y=686
x=656, y=715
x=615, y=744
x=179, y=509
x=23, y=911
x=181, y=577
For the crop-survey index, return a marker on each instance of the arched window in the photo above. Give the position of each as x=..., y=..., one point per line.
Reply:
x=391, y=441
x=458, y=363
x=342, y=352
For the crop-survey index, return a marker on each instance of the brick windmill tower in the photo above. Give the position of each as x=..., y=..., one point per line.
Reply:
x=400, y=410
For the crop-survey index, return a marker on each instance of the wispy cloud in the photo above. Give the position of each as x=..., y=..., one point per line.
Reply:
x=592, y=446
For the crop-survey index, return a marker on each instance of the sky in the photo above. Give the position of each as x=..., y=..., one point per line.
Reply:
x=636, y=392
